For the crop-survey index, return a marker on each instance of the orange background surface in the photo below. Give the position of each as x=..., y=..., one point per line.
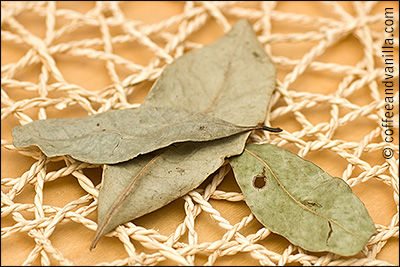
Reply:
x=73, y=240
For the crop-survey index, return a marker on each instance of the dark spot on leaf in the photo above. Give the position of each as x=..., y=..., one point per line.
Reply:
x=311, y=203
x=104, y=130
x=98, y=124
x=330, y=232
x=202, y=127
x=181, y=171
x=259, y=181
x=256, y=54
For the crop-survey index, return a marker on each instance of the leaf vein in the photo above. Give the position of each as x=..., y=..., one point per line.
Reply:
x=119, y=200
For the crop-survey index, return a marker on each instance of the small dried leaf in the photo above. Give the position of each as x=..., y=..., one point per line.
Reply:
x=231, y=79
x=119, y=135
x=151, y=181
x=296, y=199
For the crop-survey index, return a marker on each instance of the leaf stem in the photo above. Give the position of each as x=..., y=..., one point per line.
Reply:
x=270, y=129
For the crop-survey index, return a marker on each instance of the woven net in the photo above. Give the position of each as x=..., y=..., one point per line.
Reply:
x=74, y=64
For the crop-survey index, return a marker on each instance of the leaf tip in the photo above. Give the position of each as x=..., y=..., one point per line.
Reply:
x=95, y=241
x=15, y=133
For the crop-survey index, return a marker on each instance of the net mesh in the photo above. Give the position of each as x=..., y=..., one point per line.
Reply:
x=35, y=86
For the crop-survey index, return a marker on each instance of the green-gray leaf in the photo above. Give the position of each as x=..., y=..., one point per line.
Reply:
x=120, y=135
x=224, y=79
x=296, y=199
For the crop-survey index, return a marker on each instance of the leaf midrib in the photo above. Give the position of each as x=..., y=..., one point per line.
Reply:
x=118, y=202
x=133, y=136
x=226, y=77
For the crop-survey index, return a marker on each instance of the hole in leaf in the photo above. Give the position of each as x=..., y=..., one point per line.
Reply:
x=259, y=181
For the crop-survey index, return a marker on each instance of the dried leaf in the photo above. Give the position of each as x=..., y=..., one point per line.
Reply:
x=296, y=199
x=231, y=79
x=120, y=135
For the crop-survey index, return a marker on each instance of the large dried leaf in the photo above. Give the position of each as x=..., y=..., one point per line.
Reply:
x=119, y=135
x=231, y=79
x=296, y=199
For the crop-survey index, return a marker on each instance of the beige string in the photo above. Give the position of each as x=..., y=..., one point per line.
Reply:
x=168, y=39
